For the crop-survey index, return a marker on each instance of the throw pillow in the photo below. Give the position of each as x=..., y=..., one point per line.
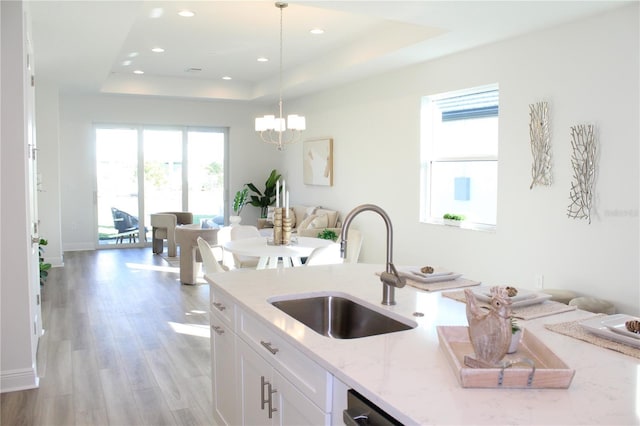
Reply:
x=331, y=214
x=320, y=221
x=314, y=221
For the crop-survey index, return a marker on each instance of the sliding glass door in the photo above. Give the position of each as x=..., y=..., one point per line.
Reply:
x=163, y=172
x=143, y=170
x=117, y=185
x=205, y=175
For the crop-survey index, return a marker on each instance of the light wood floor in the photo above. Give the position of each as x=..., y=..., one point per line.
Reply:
x=125, y=344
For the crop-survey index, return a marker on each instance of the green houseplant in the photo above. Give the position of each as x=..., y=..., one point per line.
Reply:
x=328, y=234
x=44, y=266
x=267, y=197
x=240, y=200
x=453, y=219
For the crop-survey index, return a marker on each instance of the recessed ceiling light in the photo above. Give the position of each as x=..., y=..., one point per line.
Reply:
x=186, y=13
x=317, y=31
x=133, y=54
x=126, y=63
x=156, y=12
x=263, y=59
x=226, y=77
x=138, y=72
x=157, y=50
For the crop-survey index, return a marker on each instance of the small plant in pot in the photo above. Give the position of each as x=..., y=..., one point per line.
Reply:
x=328, y=234
x=44, y=266
x=239, y=201
x=453, y=219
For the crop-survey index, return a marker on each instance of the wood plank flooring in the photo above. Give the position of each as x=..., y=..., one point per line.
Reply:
x=125, y=344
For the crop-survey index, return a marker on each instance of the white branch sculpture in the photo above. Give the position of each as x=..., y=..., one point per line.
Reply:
x=583, y=161
x=540, y=144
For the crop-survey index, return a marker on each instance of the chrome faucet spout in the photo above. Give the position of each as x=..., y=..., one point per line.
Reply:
x=390, y=278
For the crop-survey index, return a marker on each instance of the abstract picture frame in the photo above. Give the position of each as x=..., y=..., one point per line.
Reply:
x=317, y=161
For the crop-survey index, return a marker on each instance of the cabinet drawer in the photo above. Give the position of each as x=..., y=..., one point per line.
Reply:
x=222, y=306
x=311, y=379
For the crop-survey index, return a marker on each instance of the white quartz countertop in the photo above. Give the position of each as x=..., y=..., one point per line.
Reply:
x=406, y=373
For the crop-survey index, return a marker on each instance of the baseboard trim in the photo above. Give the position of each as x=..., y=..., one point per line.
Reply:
x=16, y=380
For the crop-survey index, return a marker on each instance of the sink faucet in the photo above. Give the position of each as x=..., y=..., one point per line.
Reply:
x=390, y=278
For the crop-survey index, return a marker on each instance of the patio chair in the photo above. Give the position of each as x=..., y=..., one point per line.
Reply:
x=126, y=225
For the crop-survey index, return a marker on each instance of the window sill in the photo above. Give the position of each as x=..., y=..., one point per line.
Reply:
x=482, y=227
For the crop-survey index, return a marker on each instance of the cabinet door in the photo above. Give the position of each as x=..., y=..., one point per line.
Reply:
x=255, y=386
x=226, y=410
x=295, y=409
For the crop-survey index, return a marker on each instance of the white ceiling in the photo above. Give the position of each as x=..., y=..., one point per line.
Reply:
x=81, y=45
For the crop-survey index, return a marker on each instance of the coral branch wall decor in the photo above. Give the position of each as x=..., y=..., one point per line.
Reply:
x=540, y=144
x=583, y=161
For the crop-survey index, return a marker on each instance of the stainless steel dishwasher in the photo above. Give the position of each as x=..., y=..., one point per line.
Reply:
x=360, y=411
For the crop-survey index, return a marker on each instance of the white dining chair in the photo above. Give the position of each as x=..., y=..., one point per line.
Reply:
x=328, y=255
x=209, y=261
x=239, y=232
x=354, y=244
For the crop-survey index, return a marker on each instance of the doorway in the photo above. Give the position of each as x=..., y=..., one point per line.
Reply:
x=142, y=170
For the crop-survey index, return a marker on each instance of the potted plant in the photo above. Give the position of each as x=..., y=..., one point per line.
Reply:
x=516, y=334
x=328, y=234
x=268, y=196
x=452, y=219
x=44, y=267
x=239, y=201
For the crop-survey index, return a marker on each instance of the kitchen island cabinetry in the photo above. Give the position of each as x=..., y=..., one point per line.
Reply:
x=406, y=373
x=226, y=410
x=260, y=379
x=267, y=398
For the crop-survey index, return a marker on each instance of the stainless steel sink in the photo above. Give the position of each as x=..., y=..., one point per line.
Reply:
x=339, y=317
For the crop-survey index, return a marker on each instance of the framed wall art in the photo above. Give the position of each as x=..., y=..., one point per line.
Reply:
x=317, y=162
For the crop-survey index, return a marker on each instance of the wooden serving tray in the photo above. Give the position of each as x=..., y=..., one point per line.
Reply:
x=550, y=371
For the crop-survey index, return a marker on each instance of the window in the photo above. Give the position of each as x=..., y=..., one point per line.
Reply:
x=459, y=156
x=142, y=170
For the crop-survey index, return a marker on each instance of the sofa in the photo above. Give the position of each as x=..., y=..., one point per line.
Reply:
x=163, y=226
x=306, y=221
x=309, y=221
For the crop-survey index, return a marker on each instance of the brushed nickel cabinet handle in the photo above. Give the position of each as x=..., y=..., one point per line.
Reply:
x=268, y=346
x=219, y=330
x=271, y=392
x=220, y=306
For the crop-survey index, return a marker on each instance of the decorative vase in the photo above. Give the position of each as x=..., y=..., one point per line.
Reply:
x=515, y=341
x=235, y=220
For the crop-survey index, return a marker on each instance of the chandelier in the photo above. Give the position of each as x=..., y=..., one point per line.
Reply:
x=275, y=130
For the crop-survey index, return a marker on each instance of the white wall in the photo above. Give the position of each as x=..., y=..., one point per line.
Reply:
x=250, y=160
x=17, y=350
x=588, y=72
x=47, y=135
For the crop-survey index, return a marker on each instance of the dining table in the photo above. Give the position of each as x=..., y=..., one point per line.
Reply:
x=269, y=254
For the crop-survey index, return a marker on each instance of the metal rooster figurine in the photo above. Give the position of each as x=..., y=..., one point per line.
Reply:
x=489, y=331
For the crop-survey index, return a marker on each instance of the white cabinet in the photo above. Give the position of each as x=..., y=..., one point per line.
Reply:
x=226, y=410
x=270, y=399
x=258, y=377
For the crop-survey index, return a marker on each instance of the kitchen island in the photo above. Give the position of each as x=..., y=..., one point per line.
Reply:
x=406, y=373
